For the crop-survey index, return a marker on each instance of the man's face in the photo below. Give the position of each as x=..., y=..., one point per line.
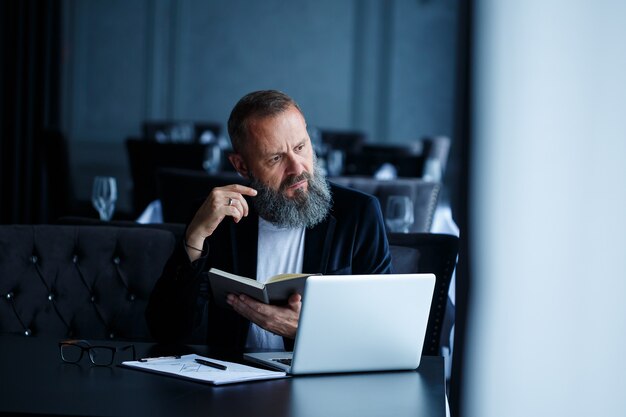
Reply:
x=278, y=153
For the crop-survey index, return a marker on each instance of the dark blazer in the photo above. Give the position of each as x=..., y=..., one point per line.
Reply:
x=351, y=240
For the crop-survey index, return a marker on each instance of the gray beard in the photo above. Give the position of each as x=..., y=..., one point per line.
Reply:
x=304, y=209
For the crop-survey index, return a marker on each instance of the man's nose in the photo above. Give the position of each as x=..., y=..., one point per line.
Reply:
x=294, y=164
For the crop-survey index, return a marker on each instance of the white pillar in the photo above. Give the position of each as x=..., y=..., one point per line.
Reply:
x=547, y=325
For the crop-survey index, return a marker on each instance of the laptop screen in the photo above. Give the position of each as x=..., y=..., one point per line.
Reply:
x=352, y=323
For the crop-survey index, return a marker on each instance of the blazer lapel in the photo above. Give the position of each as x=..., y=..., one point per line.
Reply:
x=317, y=246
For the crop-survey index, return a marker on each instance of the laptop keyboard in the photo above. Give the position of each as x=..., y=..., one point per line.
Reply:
x=284, y=361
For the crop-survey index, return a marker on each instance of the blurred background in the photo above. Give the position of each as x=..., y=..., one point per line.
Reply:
x=383, y=68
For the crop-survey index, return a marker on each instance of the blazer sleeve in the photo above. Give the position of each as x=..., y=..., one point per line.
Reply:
x=172, y=308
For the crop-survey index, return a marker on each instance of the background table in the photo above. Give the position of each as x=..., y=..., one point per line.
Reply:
x=34, y=380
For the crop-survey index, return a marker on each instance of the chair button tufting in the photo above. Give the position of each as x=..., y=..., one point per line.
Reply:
x=111, y=335
x=93, y=298
x=116, y=260
x=33, y=259
x=50, y=297
x=75, y=258
x=9, y=296
x=131, y=297
x=27, y=332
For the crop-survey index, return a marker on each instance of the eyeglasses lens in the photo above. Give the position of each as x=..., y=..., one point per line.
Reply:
x=71, y=353
x=101, y=356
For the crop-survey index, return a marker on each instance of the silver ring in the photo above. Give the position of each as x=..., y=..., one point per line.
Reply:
x=230, y=201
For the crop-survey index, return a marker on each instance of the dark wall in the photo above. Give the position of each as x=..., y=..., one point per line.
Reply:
x=386, y=67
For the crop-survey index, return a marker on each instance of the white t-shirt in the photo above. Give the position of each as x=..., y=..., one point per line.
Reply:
x=280, y=251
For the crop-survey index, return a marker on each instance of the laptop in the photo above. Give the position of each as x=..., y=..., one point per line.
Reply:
x=357, y=323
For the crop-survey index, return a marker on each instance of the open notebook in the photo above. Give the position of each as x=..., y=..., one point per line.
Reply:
x=186, y=367
x=355, y=323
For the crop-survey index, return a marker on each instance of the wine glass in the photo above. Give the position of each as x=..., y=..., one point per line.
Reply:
x=212, y=158
x=399, y=213
x=104, y=196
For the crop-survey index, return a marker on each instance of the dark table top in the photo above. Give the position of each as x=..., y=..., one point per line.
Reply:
x=34, y=380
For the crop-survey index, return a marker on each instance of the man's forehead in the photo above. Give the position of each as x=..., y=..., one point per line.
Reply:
x=275, y=133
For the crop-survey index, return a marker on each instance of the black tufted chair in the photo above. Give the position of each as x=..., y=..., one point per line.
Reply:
x=79, y=281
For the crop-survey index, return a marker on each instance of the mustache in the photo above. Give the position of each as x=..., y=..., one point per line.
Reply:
x=294, y=179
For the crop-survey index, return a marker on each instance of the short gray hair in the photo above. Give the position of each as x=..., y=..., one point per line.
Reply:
x=256, y=104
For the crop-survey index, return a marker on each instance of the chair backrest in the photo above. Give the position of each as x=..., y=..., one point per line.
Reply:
x=166, y=129
x=345, y=140
x=145, y=157
x=177, y=229
x=437, y=149
x=407, y=158
x=182, y=191
x=433, y=253
x=79, y=281
x=424, y=195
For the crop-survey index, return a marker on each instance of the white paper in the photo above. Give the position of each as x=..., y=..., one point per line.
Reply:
x=186, y=367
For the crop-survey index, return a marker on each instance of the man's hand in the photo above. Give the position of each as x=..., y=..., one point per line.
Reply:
x=221, y=202
x=280, y=320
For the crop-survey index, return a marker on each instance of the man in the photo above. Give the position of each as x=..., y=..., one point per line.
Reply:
x=288, y=219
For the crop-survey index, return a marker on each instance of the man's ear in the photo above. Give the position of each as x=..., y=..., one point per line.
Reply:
x=240, y=165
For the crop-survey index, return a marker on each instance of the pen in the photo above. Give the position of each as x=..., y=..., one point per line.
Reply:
x=211, y=364
x=159, y=358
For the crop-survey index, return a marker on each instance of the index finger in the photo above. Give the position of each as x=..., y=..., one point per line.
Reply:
x=242, y=189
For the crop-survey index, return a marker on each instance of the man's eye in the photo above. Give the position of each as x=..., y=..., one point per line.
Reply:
x=300, y=147
x=275, y=159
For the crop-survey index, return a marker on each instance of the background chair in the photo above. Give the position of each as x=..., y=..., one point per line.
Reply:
x=182, y=191
x=345, y=140
x=79, y=281
x=429, y=253
x=436, y=149
x=408, y=159
x=424, y=195
x=145, y=157
x=176, y=229
x=168, y=130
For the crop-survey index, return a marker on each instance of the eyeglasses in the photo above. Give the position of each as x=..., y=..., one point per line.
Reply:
x=72, y=352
